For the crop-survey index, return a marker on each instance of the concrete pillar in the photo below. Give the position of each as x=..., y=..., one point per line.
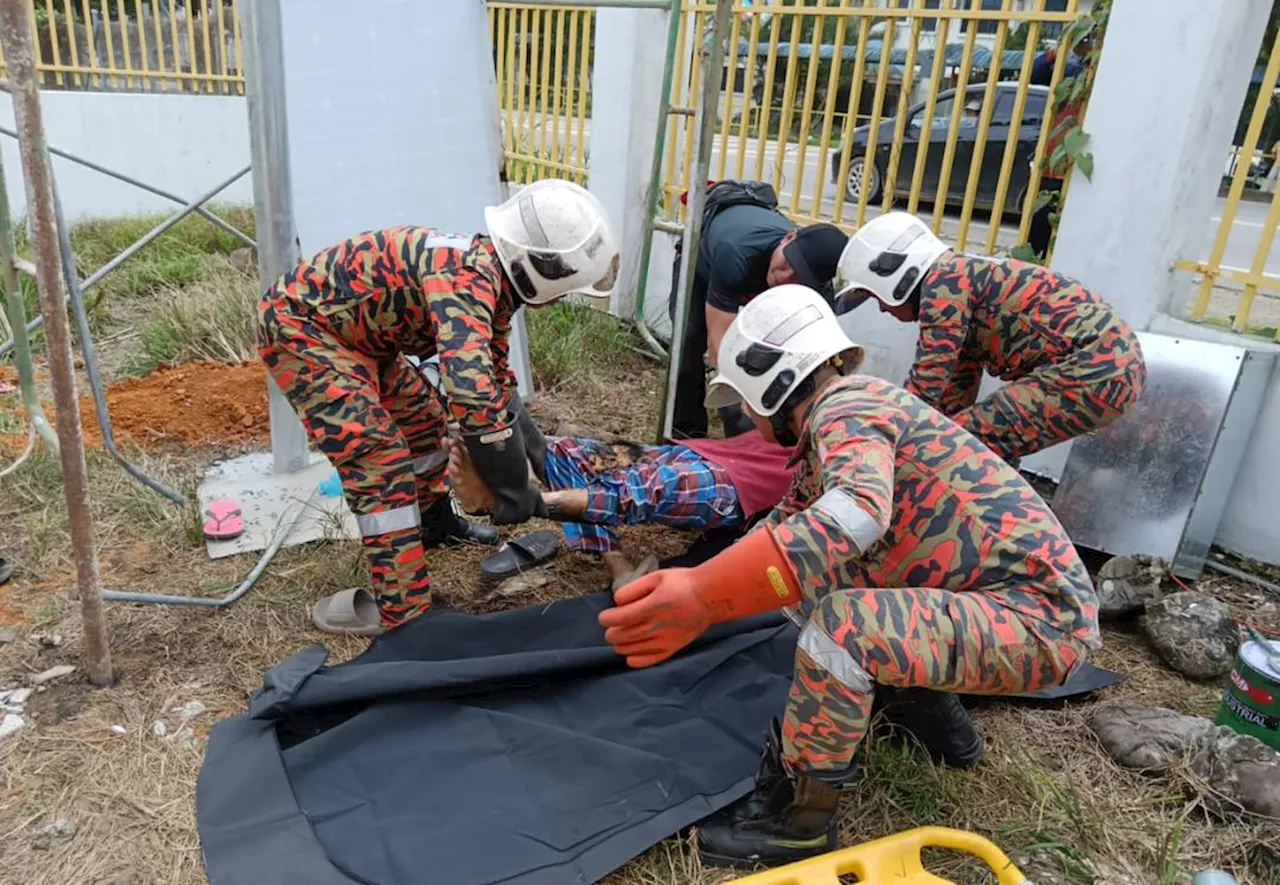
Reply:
x=626, y=85
x=1170, y=84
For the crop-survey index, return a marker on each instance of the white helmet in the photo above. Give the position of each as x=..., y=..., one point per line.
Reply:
x=887, y=257
x=553, y=238
x=778, y=339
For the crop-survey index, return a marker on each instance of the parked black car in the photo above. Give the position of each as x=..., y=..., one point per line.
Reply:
x=873, y=175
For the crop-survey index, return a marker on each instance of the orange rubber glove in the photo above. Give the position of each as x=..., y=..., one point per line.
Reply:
x=657, y=615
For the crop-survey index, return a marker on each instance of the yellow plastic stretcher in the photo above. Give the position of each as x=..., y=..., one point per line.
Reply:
x=893, y=860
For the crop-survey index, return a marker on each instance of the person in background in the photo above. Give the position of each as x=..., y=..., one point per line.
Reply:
x=746, y=247
x=909, y=554
x=1072, y=363
x=1040, y=232
x=336, y=333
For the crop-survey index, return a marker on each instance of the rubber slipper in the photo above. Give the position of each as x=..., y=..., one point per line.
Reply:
x=521, y=554
x=351, y=612
x=6, y=570
x=647, y=565
x=225, y=521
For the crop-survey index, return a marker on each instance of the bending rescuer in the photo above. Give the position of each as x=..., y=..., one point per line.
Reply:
x=910, y=553
x=335, y=333
x=1073, y=364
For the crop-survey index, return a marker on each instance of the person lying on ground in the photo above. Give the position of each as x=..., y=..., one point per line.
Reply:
x=1074, y=365
x=595, y=485
x=910, y=554
x=336, y=333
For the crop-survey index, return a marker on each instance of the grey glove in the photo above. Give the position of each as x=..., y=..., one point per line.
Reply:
x=535, y=444
x=500, y=457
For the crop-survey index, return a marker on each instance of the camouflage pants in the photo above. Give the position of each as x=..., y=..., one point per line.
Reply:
x=380, y=424
x=1080, y=394
x=937, y=639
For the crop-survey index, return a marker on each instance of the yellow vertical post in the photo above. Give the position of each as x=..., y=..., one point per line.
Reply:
x=73, y=45
x=957, y=112
x=544, y=83
x=110, y=41
x=788, y=100
x=235, y=24
x=557, y=93
x=806, y=112
x=580, y=149
x=522, y=57
x=851, y=115
x=502, y=77
x=574, y=95
x=1266, y=238
x=1037, y=160
x=877, y=105
x=829, y=110
x=989, y=100
x=731, y=74
x=205, y=44
x=1015, y=129
x=131, y=81
x=192, y=80
x=54, y=50
x=748, y=94
x=174, y=51
x=766, y=98
x=1251, y=136
x=695, y=81
x=223, y=65
x=906, y=87
x=677, y=98
x=941, y=31
x=144, y=52
x=530, y=123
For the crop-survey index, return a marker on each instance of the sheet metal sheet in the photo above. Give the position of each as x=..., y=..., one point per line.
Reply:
x=1157, y=480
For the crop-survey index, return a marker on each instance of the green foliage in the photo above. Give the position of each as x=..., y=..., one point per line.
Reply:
x=570, y=341
x=214, y=319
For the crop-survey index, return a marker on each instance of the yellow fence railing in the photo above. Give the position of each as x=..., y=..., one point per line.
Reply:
x=139, y=45
x=543, y=58
x=946, y=112
x=1227, y=293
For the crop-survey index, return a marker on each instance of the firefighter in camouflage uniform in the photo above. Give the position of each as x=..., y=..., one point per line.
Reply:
x=911, y=556
x=1074, y=365
x=335, y=333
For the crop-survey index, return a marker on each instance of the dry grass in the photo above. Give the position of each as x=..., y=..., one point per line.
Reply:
x=1046, y=792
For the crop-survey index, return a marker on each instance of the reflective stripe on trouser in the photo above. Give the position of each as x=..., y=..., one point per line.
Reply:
x=1079, y=394
x=921, y=637
x=373, y=419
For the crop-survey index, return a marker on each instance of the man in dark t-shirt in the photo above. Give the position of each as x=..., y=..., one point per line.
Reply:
x=745, y=249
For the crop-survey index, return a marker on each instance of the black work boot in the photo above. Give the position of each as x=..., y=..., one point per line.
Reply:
x=787, y=817
x=442, y=527
x=937, y=719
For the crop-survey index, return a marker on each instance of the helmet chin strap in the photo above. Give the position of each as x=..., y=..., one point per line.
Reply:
x=780, y=420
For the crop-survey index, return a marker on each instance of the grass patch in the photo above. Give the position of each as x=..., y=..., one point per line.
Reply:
x=214, y=319
x=568, y=342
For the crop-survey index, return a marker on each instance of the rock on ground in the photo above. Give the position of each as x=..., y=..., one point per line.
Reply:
x=1127, y=583
x=60, y=829
x=53, y=673
x=1193, y=633
x=1240, y=770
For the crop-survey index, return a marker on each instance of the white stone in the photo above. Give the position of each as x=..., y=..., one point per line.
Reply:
x=52, y=673
x=158, y=729
x=117, y=729
x=11, y=724
x=190, y=710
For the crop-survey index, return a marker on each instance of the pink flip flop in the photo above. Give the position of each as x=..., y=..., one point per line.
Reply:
x=225, y=521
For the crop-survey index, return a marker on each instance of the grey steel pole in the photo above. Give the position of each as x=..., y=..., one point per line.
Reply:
x=15, y=35
x=278, y=248
x=708, y=118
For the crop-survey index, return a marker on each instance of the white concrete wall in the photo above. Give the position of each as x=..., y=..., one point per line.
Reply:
x=184, y=144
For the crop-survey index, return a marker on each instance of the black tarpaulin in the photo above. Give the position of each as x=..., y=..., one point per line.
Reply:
x=505, y=748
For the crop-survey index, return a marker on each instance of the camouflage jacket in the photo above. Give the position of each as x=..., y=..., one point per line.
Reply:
x=416, y=291
x=891, y=494
x=1007, y=317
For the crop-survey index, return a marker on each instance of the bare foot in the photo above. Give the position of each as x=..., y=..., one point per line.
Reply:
x=472, y=492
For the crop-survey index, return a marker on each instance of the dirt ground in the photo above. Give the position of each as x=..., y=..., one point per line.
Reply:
x=121, y=763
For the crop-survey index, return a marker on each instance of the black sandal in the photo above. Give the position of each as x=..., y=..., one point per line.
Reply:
x=521, y=554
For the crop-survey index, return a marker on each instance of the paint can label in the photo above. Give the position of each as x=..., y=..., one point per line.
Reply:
x=1251, y=703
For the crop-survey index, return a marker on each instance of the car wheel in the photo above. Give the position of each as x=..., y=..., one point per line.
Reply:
x=863, y=174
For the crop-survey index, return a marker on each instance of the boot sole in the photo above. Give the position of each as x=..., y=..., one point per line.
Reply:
x=743, y=863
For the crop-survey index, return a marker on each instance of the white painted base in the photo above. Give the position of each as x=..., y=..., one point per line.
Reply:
x=265, y=497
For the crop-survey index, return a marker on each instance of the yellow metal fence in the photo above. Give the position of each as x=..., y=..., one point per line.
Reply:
x=139, y=45
x=943, y=108
x=1227, y=294
x=543, y=57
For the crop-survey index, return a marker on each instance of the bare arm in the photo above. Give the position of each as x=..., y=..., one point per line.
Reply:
x=718, y=322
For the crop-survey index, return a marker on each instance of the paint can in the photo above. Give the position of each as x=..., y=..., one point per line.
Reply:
x=1251, y=703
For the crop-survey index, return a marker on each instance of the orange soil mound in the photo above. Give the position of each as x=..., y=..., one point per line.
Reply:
x=195, y=403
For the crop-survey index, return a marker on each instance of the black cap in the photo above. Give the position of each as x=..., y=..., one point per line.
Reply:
x=814, y=253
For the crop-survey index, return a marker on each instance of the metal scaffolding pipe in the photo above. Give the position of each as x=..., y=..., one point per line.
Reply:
x=708, y=119
x=127, y=179
x=17, y=314
x=91, y=355
x=16, y=28
x=142, y=241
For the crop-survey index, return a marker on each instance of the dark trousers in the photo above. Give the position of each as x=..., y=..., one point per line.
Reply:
x=1040, y=233
x=690, y=419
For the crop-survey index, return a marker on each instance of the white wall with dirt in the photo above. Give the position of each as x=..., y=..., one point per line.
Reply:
x=184, y=144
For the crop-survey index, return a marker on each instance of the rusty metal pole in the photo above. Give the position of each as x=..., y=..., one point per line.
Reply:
x=15, y=37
